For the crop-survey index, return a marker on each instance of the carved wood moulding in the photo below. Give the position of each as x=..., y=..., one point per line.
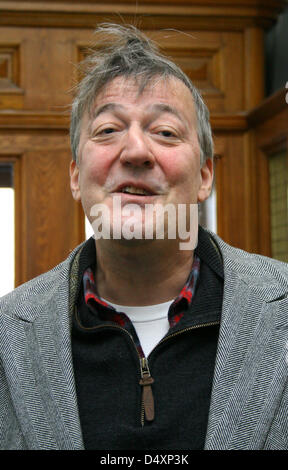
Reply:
x=48, y=121
x=11, y=94
x=271, y=106
x=201, y=65
x=55, y=121
x=9, y=68
x=184, y=14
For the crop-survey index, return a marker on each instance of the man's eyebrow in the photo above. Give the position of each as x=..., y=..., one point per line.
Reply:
x=160, y=108
x=156, y=108
x=165, y=108
x=106, y=107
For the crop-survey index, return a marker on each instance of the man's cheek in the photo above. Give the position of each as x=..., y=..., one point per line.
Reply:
x=95, y=174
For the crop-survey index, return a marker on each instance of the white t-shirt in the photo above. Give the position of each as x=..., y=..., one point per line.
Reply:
x=150, y=322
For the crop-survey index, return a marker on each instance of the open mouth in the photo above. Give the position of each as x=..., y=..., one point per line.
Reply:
x=135, y=191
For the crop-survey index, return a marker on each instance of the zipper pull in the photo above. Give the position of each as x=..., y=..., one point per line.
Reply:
x=147, y=395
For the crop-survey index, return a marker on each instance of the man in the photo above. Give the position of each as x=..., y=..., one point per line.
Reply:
x=135, y=342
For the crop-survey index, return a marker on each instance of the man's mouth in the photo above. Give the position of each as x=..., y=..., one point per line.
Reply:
x=136, y=191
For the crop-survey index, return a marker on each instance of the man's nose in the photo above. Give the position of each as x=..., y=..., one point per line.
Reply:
x=136, y=150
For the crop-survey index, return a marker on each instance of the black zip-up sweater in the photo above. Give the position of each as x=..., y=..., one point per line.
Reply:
x=107, y=370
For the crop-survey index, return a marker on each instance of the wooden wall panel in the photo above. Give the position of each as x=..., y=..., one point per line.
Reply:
x=269, y=135
x=44, y=64
x=49, y=224
x=232, y=196
x=50, y=218
x=11, y=94
x=210, y=60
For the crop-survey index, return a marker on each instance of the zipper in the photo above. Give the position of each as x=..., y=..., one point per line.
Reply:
x=147, y=407
x=147, y=399
x=194, y=327
x=146, y=380
x=147, y=403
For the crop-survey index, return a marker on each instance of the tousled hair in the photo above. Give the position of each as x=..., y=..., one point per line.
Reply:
x=131, y=54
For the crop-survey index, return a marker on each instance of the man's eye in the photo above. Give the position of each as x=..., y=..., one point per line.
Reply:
x=166, y=133
x=107, y=130
x=102, y=132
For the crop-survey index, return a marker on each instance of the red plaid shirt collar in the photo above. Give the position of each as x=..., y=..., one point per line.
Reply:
x=108, y=313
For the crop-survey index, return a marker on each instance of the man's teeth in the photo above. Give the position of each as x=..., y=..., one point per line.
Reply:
x=134, y=190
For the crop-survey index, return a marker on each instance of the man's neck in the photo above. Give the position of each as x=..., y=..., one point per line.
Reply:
x=141, y=274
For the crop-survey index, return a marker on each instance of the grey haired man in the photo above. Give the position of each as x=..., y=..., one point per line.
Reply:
x=133, y=343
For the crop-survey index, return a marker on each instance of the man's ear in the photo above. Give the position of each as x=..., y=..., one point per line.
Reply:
x=206, y=180
x=74, y=180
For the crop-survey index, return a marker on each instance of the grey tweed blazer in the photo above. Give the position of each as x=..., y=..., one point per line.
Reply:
x=249, y=403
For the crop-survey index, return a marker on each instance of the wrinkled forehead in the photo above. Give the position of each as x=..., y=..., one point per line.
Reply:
x=167, y=89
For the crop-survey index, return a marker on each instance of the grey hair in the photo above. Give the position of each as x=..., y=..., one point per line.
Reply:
x=131, y=54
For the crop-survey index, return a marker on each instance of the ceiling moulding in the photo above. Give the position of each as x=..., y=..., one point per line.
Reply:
x=147, y=14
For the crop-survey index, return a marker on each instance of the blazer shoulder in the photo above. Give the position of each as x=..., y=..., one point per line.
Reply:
x=253, y=269
x=39, y=290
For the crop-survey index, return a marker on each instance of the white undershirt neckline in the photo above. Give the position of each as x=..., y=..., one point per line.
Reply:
x=150, y=322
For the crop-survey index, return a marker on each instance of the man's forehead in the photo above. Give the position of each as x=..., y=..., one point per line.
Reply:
x=169, y=94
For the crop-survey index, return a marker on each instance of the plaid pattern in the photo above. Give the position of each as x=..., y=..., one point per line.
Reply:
x=108, y=313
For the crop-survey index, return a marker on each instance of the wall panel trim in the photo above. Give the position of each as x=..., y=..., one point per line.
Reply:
x=58, y=121
x=184, y=14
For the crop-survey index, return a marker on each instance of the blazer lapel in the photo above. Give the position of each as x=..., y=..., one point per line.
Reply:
x=40, y=375
x=250, y=370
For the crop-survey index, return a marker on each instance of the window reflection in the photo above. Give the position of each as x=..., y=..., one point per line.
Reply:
x=278, y=169
x=208, y=212
x=7, y=237
x=88, y=229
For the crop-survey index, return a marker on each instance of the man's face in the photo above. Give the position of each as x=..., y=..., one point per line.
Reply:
x=142, y=148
